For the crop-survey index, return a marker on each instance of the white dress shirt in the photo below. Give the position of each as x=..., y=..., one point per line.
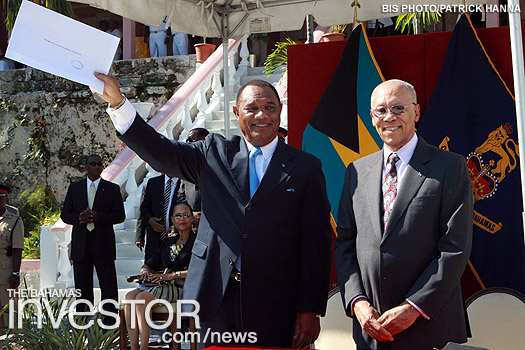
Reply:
x=263, y=159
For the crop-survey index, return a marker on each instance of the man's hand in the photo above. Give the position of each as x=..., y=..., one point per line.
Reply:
x=155, y=224
x=399, y=318
x=92, y=216
x=14, y=281
x=139, y=245
x=307, y=327
x=83, y=217
x=368, y=316
x=112, y=92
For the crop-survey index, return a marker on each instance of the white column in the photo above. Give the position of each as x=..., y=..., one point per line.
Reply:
x=65, y=278
x=245, y=58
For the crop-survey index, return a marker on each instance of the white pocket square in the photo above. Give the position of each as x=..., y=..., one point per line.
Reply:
x=290, y=190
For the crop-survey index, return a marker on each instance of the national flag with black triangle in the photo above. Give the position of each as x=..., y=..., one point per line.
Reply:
x=340, y=130
x=472, y=112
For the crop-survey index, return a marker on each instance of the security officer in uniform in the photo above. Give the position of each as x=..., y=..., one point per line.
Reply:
x=11, y=246
x=10, y=208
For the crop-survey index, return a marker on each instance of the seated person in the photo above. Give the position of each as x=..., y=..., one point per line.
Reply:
x=172, y=257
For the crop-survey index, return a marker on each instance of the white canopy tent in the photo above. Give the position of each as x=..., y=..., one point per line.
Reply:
x=225, y=18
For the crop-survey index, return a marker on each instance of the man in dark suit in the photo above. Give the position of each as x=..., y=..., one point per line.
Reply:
x=404, y=234
x=154, y=212
x=189, y=192
x=260, y=262
x=93, y=206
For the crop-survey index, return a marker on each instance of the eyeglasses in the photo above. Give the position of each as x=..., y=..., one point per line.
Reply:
x=96, y=163
x=182, y=215
x=381, y=112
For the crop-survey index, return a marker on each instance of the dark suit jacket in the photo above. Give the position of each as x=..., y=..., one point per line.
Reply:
x=423, y=251
x=152, y=205
x=283, y=231
x=110, y=211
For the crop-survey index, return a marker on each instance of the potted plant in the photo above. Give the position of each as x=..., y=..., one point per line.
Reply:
x=337, y=34
x=203, y=51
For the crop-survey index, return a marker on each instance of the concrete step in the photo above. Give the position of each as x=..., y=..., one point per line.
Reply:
x=128, y=266
x=130, y=224
x=256, y=71
x=217, y=124
x=129, y=250
x=125, y=236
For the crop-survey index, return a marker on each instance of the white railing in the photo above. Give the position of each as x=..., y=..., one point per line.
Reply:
x=127, y=167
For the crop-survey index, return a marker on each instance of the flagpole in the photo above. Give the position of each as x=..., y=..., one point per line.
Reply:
x=516, y=48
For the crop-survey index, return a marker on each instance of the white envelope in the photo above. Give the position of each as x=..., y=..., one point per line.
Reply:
x=59, y=45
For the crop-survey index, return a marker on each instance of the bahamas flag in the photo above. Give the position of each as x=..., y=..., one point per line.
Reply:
x=340, y=130
x=472, y=112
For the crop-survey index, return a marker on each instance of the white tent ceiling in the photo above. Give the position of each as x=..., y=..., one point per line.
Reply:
x=224, y=18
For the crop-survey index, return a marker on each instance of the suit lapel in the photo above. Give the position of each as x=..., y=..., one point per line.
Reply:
x=415, y=174
x=374, y=191
x=100, y=192
x=236, y=162
x=278, y=170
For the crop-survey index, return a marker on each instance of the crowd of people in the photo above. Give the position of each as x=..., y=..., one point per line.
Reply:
x=256, y=253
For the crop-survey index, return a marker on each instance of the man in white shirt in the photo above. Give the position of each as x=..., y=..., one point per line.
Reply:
x=404, y=234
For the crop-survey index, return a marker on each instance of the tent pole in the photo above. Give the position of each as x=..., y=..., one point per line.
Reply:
x=226, y=79
x=516, y=48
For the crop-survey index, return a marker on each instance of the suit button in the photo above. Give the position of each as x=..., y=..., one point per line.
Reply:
x=383, y=249
x=244, y=235
x=231, y=262
x=249, y=208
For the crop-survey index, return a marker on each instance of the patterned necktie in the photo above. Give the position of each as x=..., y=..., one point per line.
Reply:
x=389, y=187
x=167, y=195
x=91, y=200
x=254, y=179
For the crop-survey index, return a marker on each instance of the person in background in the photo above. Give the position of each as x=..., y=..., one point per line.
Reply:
x=157, y=39
x=404, y=233
x=154, y=212
x=93, y=206
x=114, y=29
x=10, y=208
x=163, y=274
x=188, y=191
x=11, y=247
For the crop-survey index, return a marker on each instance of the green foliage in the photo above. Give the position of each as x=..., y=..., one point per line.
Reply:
x=32, y=242
x=39, y=204
x=39, y=208
x=65, y=336
x=11, y=8
x=405, y=22
x=278, y=57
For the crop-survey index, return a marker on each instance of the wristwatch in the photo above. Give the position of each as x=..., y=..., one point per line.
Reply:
x=177, y=274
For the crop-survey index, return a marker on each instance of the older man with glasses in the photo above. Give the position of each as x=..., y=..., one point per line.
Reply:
x=404, y=234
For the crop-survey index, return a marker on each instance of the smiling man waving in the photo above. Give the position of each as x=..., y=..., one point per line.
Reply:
x=261, y=259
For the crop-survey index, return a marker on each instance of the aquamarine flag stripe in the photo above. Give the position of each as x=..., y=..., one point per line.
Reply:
x=367, y=79
x=319, y=145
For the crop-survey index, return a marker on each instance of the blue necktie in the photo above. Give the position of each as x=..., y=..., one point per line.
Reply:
x=254, y=180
